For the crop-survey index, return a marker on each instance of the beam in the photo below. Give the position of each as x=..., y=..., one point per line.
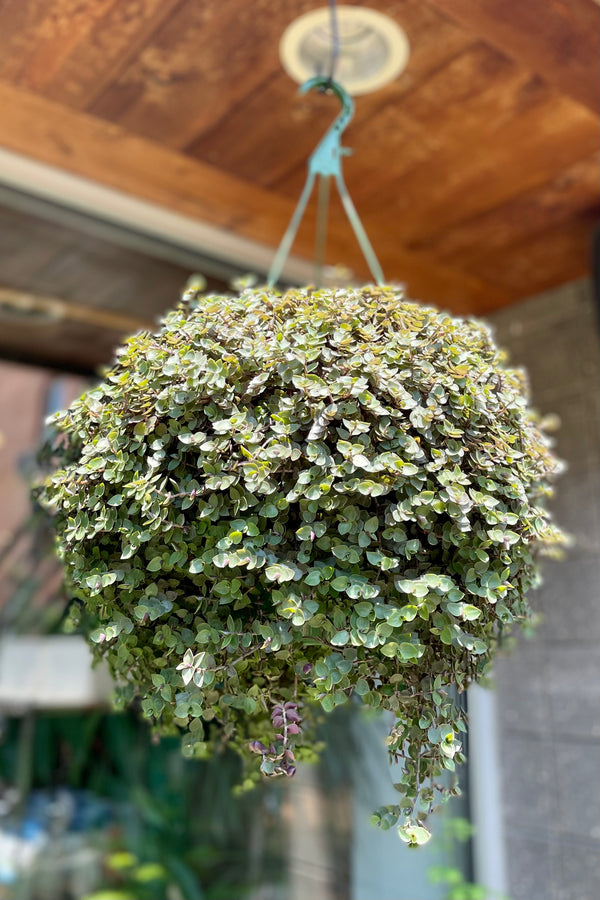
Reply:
x=21, y=303
x=182, y=236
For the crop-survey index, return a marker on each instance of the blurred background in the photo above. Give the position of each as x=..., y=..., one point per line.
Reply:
x=143, y=142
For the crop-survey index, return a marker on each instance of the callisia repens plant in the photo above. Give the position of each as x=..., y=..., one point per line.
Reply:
x=281, y=503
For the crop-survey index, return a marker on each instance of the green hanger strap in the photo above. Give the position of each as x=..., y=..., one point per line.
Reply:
x=326, y=161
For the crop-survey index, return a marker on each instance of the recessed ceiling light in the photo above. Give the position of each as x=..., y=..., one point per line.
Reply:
x=374, y=50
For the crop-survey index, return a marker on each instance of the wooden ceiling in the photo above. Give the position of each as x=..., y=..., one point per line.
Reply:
x=475, y=173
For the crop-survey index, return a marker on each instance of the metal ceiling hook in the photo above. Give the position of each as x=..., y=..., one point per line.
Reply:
x=326, y=162
x=326, y=157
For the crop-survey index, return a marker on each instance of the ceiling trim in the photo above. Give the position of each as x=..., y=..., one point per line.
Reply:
x=181, y=231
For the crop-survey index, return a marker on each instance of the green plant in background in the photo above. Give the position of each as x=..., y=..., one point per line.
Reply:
x=456, y=829
x=277, y=503
x=147, y=805
x=134, y=880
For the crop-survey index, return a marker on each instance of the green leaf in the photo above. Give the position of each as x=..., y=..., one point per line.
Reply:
x=446, y=635
x=409, y=612
x=362, y=687
x=279, y=573
x=313, y=577
x=470, y=612
x=267, y=766
x=414, y=835
x=321, y=669
x=416, y=588
x=344, y=666
x=340, y=638
x=363, y=609
x=409, y=651
x=340, y=583
x=221, y=560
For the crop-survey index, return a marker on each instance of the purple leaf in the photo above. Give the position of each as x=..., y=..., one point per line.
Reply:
x=257, y=747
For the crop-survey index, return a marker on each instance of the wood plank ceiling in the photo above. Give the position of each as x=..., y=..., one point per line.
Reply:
x=475, y=173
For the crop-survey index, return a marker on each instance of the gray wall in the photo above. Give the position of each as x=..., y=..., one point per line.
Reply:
x=548, y=690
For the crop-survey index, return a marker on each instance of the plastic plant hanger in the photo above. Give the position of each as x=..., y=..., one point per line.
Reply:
x=326, y=162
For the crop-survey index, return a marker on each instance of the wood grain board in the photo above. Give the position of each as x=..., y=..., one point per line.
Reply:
x=475, y=172
x=557, y=39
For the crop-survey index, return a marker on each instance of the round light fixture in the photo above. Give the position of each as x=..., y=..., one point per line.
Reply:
x=374, y=50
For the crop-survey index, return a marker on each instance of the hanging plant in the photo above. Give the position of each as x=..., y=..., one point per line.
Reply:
x=281, y=502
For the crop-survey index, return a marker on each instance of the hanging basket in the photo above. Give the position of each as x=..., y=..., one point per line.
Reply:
x=280, y=503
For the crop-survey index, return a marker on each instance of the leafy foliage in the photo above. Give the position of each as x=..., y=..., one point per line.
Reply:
x=281, y=502
x=139, y=799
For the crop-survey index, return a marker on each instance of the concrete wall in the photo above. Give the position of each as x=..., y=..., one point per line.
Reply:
x=548, y=690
